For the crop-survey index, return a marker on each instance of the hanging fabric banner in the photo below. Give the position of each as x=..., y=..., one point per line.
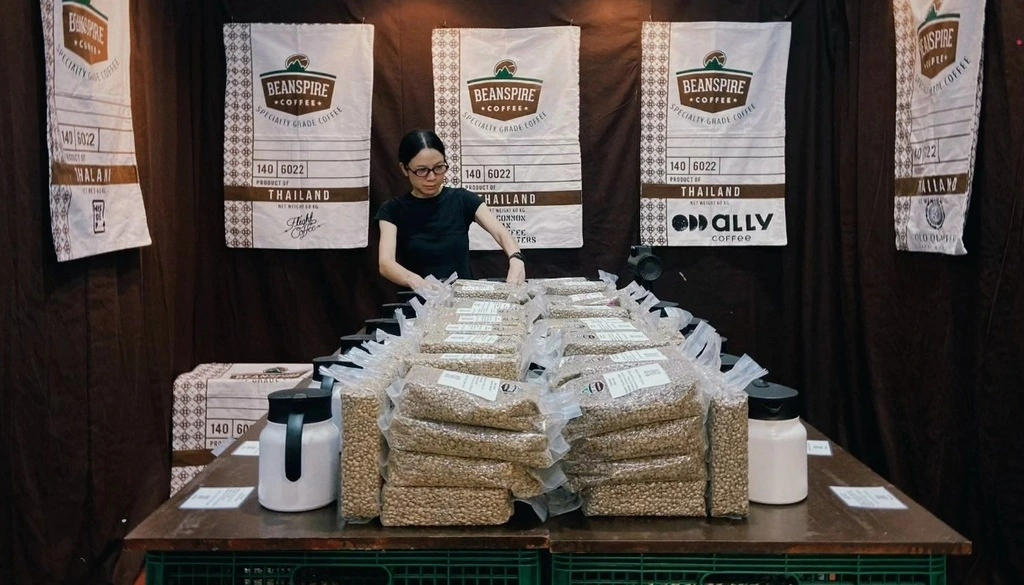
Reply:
x=95, y=200
x=713, y=134
x=297, y=135
x=507, y=106
x=938, y=109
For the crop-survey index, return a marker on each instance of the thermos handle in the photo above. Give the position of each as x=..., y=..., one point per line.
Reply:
x=327, y=383
x=293, y=447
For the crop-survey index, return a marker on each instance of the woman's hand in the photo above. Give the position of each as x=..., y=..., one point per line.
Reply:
x=516, y=271
x=417, y=282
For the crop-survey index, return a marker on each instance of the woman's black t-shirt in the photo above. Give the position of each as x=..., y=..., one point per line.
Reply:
x=433, y=234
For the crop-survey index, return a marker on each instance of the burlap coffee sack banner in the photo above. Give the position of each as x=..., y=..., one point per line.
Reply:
x=297, y=135
x=938, y=107
x=216, y=402
x=507, y=106
x=713, y=134
x=95, y=200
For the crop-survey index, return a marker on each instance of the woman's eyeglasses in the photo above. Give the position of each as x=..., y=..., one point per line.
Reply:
x=438, y=170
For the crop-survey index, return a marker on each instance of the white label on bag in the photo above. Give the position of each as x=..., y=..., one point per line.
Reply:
x=624, y=336
x=498, y=304
x=469, y=356
x=463, y=327
x=484, y=308
x=822, y=448
x=480, y=319
x=478, y=286
x=207, y=498
x=633, y=379
x=486, y=388
x=466, y=338
x=586, y=297
x=639, y=355
x=608, y=324
x=876, y=498
x=248, y=449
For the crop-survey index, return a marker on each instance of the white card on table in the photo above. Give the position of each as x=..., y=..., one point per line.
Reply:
x=207, y=498
x=875, y=498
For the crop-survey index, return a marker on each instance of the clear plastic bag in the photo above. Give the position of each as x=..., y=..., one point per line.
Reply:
x=550, y=326
x=533, y=449
x=478, y=307
x=648, y=393
x=477, y=324
x=603, y=298
x=489, y=290
x=603, y=364
x=684, y=436
x=666, y=498
x=495, y=365
x=571, y=360
x=560, y=311
x=675, y=319
x=650, y=469
x=445, y=506
x=566, y=289
x=445, y=396
x=609, y=342
x=363, y=400
x=444, y=342
x=728, y=493
x=411, y=469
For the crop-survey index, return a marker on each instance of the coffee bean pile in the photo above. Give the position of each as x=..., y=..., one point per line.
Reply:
x=639, y=448
x=444, y=506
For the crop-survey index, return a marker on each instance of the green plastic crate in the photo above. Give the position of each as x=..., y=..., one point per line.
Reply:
x=345, y=568
x=584, y=569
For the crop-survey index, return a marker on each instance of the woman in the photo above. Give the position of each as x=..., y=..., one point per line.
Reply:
x=426, y=231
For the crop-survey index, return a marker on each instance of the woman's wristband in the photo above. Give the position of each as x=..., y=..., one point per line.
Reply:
x=518, y=255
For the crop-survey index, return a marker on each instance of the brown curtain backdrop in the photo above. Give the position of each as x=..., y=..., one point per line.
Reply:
x=908, y=360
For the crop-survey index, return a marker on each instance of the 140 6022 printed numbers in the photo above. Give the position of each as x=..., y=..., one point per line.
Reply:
x=75, y=138
x=492, y=174
x=280, y=169
x=225, y=429
x=926, y=152
x=692, y=166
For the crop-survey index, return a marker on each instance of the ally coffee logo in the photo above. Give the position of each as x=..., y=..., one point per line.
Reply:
x=85, y=30
x=714, y=88
x=936, y=40
x=296, y=90
x=504, y=97
x=723, y=222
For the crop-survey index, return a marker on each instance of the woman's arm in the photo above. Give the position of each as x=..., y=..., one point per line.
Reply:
x=386, y=263
x=516, y=267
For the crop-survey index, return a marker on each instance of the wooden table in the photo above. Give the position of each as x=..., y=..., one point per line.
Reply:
x=821, y=525
x=252, y=527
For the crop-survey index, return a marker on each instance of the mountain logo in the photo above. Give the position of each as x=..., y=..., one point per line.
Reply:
x=713, y=88
x=934, y=214
x=296, y=90
x=85, y=30
x=937, y=40
x=504, y=97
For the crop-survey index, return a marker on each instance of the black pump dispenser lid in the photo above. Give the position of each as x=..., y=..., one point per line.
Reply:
x=770, y=401
x=314, y=403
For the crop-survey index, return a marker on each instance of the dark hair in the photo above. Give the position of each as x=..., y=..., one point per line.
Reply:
x=415, y=141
